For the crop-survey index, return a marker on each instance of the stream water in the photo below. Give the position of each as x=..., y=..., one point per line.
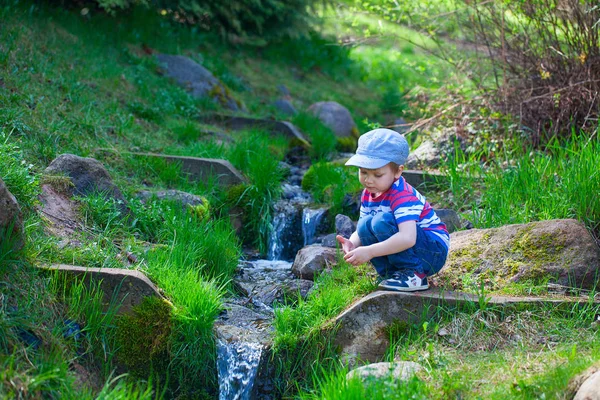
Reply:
x=294, y=226
x=237, y=363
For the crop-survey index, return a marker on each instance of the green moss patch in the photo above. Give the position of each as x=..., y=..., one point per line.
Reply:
x=143, y=337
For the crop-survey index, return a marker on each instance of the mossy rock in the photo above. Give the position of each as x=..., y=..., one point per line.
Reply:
x=557, y=251
x=143, y=338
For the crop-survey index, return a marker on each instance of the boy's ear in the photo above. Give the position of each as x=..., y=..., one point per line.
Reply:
x=399, y=172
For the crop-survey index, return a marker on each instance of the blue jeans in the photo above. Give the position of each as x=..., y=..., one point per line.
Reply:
x=428, y=255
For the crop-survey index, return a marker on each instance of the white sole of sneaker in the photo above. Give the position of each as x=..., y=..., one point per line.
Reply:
x=404, y=289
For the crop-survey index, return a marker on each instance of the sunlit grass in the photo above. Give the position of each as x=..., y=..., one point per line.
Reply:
x=520, y=185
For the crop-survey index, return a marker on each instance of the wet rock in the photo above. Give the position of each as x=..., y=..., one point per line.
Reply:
x=183, y=198
x=287, y=237
x=336, y=117
x=450, y=218
x=312, y=260
x=199, y=81
x=285, y=107
x=294, y=192
x=327, y=240
x=10, y=216
x=399, y=370
x=344, y=226
x=242, y=324
x=88, y=175
x=562, y=251
x=298, y=287
x=265, y=281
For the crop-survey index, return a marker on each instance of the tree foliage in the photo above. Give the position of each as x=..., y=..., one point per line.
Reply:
x=238, y=18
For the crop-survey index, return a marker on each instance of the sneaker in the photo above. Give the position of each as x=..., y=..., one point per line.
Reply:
x=405, y=282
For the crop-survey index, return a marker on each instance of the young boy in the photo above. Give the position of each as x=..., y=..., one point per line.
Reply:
x=398, y=231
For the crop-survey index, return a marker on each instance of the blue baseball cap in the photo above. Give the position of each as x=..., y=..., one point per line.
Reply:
x=379, y=147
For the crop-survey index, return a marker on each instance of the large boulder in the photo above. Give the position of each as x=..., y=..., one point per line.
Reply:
x=561, y=251
x=88, y=175
x=199, y=81
x=585, y=386
x=285, y=107
x=426, y=155
x=10, y=215
x=450, y=218
x=312, y=260
x=336, y=117
x=362, y=331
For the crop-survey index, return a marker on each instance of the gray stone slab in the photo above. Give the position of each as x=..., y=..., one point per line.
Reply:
x=362, y=329
x=127, y=287
x=418, y=178
x=203, y=169
x=239, y=123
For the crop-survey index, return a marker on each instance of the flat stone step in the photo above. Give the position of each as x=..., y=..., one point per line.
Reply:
x=200, y=169
x=240, y=123
x=362, y=329
x=418, y=178
x=125, y=286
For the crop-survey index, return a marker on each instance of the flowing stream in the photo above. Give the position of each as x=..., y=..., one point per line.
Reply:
x=294, y=226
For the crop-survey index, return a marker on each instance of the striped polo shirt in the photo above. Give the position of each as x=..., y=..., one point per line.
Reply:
x=407, y=204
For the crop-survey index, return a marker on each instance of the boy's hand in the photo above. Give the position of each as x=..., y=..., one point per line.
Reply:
x=358, y=256
x=347, y=245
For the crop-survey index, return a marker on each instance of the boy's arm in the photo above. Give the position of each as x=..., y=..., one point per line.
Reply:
x=404, y=239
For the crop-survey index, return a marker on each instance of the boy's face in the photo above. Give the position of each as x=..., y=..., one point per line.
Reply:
x=377, y=181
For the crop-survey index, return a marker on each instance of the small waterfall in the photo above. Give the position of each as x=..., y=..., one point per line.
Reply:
x=310, y=221
x=237, y=363
x=280, y=220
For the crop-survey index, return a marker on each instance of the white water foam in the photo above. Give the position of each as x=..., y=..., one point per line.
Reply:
x=237, y=363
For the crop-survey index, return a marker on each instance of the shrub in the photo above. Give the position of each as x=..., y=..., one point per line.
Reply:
x=544, y=57
x=239, y=17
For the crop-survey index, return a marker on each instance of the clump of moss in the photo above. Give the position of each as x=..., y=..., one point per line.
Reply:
x=201, y=211
x=143, y=337
x=60, y=183
x=346, y=144
x=223, y=96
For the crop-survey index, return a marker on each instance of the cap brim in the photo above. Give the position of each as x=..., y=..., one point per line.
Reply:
x=359, y=160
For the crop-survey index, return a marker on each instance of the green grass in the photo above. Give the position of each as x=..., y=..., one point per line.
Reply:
x=533, y=353
x=520, y=185
x=302, y=345
x=331, y=184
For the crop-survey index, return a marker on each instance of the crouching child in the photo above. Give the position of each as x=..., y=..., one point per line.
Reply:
x=398, y=231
